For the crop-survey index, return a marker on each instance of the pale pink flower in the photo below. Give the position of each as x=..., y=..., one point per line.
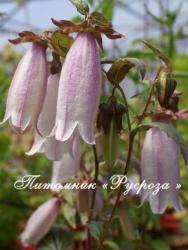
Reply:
x=40, y=222
x=79, y=90
x=27, y=90
x=160, y=164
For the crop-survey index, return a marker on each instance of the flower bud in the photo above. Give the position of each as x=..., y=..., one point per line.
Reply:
x=79, y=90
x=165, y=88
x=159, y=165
x=40, y=222
x=110, y=119
x=27, y=90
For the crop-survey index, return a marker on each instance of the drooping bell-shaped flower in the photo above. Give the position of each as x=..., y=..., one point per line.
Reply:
x=53, y=148
x=40, y=222
x=69, y=165
x=160, y=164
x=79, y=90
x=27, y=90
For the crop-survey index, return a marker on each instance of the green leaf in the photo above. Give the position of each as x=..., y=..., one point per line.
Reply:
x=95, y=229
x=111, y=245
x=81, y=6
x=100, y=19
x=61, y=43
x=158, y=53
x=119, y=70
x=171, y=132
x=140, y=66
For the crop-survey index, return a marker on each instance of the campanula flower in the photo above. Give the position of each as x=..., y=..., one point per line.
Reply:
x=160, y=164
x=79, y=90
x=27, y=90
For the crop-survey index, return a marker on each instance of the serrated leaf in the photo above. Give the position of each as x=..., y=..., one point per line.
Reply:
x=111, y=245
x=171, y=132
x=158, y=53
x=140, y=66
x=81, y=6
x=119, y=70
x=61, y=42
x=95, y=229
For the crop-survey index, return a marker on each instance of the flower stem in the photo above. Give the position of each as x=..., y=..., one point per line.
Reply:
x=149, y=97
x=94, y=192
x=131, y=139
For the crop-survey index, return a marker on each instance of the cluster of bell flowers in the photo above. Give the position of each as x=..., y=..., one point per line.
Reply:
x=62, y=109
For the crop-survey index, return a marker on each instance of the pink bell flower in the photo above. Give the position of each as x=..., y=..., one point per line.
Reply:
x=27, y=90
x=79, y=90
x=160, y=164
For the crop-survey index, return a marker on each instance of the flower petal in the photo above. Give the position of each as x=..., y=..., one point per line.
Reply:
x=47, y=116
x=69, y=164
